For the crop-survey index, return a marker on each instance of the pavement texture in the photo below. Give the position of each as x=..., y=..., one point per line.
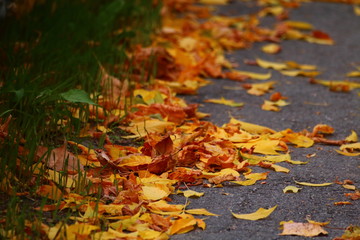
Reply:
x=310, y=105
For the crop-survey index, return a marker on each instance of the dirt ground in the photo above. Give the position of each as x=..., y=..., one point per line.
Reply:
x=310, y=105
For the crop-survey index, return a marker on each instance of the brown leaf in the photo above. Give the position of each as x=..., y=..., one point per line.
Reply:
x=59, y=158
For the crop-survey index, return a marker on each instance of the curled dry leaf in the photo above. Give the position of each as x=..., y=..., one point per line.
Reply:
x=291, y=189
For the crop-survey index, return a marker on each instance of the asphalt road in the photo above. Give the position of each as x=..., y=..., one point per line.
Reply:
x=310, y=105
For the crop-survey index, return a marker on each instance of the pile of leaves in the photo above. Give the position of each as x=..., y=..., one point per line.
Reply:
x=123, y=192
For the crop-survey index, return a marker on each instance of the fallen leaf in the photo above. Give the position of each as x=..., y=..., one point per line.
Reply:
x=353, y=74
x=351, y=233
x=253, y=75
x=59, y=158
x=353, y=137
x=271, y=48
x=357, y=10
x=319, y=37
x=185, y=224
x=273, y=106
x=299, y=25
x=50, y=191
x=268, y=64
x=348, y=186
x=337, y=86
x=342, y=203
x=224, y=101
x=353, y=148
x=261, y=213
x=303, y=229
x=190, y=193
x=252, y=128
x=291, y=189
x=143, y=128
x=294, y=73
x=200, y=211
x=313, y=184
x=214, y=2
x=259, y=89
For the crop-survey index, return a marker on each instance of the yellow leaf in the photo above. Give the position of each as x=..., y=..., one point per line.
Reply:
x=349, y=154
x=268, y=64
x=292, y=189
x=252, y=178
x=353, y=137
x=73, y=231
x=155, y=192
x=295, y=65
x=350, y=147
x=185, y=224
x=353, y=74
x=150, y=96
x=298, y=139
x=257, y=76
x=303, y=229
x=50, y=191
x=252, y=128
x=190, y=193
x=135, y=160
x=263, y=145
x=162, y=207
x=113, y=234
x=273, y=106
x=259, y=89
x=317, y=223
x=142, y=128
x=357, y=10
x=224, y=101
x=299, y=25
x=312, y=39
x=214, y=2
x=149, y=234
x=271, y=48
x=348, y=186
x=279, y=168
x=294, y=73
x=201, y=224
x=338, y=85
x=259, y=214
x=200, y=211
x=314, y=184
x=188, y=43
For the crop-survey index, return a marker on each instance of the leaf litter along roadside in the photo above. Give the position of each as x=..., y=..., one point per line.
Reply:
x=135, y=183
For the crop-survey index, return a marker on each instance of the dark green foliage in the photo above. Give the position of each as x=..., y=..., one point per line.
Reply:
x=49, y=62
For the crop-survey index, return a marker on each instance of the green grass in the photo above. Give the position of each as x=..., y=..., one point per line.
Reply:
x=49, y=63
